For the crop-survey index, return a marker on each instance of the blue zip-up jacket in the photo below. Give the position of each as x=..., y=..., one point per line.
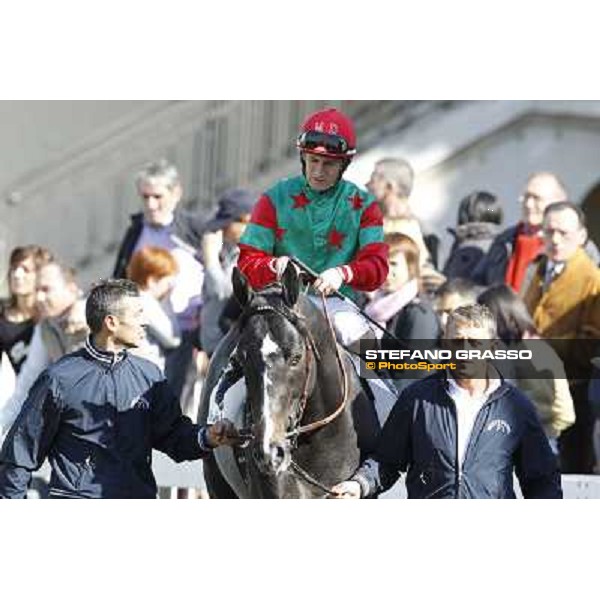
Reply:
x=420, y=438
x=97, y=416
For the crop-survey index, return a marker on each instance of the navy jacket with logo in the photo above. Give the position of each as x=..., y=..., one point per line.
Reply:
x=97, y=417
x=420, y=438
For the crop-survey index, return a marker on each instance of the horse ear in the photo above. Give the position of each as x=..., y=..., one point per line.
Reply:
x=241, y=289
x=291, y=285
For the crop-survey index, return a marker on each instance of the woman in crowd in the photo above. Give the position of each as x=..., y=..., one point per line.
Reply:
x=399, y=305
x=18, y=312
x=479, y=218
x=154, y=270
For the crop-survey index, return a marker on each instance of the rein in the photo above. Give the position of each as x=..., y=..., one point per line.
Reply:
x=310, y=479
x=322, y=422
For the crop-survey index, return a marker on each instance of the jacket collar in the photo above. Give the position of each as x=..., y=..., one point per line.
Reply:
x=496, y=391
x=456, y=392
x=571, y=263
x=107, y=358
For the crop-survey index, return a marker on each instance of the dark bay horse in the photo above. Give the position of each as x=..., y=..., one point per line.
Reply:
x=308, y=419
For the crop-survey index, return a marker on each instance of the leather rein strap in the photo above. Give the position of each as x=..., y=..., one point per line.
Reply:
x=342, y=369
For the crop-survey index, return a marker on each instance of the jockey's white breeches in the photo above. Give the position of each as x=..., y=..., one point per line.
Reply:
x=348, y=323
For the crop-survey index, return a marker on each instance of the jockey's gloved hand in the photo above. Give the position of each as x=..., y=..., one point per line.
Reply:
x=279, y=265
x=331, y=280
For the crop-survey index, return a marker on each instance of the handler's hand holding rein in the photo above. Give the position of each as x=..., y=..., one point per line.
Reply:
x=347, y=490
x=223, y=433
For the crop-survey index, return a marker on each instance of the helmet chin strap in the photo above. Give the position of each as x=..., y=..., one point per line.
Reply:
x=345, y=165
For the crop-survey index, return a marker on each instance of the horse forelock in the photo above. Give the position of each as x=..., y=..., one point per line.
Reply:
x=274, y=327
x=274, y=314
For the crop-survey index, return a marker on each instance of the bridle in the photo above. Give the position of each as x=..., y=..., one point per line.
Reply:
x=297, y=430
x=295, y=320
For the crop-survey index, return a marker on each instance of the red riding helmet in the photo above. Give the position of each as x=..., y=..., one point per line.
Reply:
x=328, y=133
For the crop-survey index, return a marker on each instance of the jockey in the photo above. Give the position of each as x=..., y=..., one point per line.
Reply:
x=330, y=224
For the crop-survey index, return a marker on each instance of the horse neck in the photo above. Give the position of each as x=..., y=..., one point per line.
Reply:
x=323, y=334
x=329, y=385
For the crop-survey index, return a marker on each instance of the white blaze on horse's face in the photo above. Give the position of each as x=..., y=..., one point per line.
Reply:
x=269, y=347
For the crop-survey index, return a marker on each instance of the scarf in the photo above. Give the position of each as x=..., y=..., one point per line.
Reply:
x=385, y=306
x=528, y=245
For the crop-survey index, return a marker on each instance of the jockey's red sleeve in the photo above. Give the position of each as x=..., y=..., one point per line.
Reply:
x=256, y=265
x=370, y=264
x=370, y=267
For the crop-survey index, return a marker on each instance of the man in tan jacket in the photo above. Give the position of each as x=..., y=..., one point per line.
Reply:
x=564, y=301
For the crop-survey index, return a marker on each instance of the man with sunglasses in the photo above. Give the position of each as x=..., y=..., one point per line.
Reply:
x=329, y=223
x=462, y=432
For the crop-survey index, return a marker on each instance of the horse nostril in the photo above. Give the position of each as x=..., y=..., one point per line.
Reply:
x=275, y=459
x=277, y=454
x=279, y=457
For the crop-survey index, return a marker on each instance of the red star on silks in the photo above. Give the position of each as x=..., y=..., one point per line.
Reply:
x=279, y=233
x=300, y=200
x=357, y=201
x=335, y=238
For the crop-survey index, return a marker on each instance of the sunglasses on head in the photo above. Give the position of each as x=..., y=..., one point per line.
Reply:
x=333, y=144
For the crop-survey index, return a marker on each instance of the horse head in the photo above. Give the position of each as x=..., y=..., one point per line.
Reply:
x=276, y=354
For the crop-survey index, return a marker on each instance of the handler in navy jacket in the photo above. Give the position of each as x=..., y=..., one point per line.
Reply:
x=97, y=413
x=461, y=433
